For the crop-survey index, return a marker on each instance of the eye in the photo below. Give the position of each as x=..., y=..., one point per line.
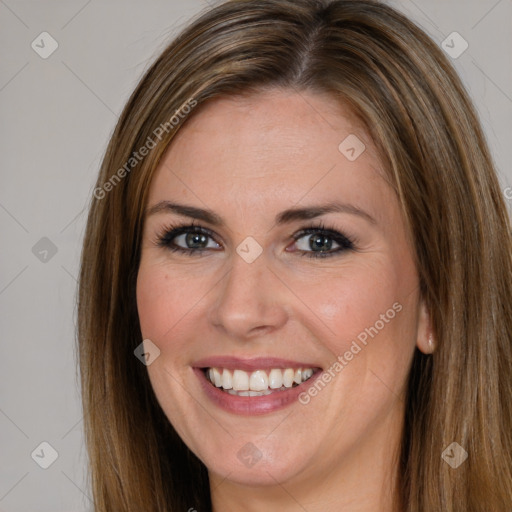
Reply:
x=314, y=241
x=190, y=239
x=320, y=242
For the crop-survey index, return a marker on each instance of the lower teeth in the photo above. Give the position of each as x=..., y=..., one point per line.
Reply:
x=255, y=393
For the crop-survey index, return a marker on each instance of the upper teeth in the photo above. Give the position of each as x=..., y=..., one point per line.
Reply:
x=259, y=380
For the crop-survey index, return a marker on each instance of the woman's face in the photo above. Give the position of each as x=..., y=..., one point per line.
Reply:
x=302, y=273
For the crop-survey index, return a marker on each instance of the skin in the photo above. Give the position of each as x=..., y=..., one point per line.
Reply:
x=247, y=159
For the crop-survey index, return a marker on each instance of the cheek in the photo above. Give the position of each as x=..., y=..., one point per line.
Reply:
x=163, y=300
x=152, y=302
x=351, y=297
x=366, y=311
x=160, y=303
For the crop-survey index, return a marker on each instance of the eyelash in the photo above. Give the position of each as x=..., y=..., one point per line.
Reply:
x=165, y=239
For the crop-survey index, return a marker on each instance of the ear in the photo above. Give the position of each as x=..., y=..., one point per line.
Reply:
x=425, y=338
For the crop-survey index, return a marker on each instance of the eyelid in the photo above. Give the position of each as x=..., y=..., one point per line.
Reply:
x=321, y=228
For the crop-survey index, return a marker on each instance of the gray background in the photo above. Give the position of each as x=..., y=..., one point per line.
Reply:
x=57, y=114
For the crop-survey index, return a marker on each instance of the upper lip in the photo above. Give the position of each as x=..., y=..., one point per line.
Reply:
x=250, y=364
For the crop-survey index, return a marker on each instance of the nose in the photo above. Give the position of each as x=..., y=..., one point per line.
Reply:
x=250, y=300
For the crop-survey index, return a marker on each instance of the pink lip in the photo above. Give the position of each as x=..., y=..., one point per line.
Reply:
x=253, y=405
x=253, y=364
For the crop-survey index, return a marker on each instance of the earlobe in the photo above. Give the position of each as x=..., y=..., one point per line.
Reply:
x=431, y=343
x=425, y=340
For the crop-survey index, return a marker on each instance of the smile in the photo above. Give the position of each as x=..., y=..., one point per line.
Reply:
x=253, y=386
x=257, y=383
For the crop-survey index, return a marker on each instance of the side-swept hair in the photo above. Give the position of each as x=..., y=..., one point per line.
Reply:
x=398, y=82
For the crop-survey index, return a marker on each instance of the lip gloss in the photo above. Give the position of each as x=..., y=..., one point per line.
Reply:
x=253, y=405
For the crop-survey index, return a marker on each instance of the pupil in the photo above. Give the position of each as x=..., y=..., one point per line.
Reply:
x=320, y=242
x=195, y=240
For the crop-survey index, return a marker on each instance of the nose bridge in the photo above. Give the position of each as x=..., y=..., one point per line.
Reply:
x=248, y=299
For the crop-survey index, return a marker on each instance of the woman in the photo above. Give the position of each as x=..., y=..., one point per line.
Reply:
x=221, y=369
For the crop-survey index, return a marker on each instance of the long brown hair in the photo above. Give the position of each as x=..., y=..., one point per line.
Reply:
x=400, y=85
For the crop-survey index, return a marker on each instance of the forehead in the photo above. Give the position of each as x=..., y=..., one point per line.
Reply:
x=269, y=146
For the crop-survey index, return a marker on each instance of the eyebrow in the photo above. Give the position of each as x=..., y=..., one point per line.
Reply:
x=285, y=217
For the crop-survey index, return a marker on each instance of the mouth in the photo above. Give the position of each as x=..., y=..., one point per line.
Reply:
x=254, y=386
x=239, y=382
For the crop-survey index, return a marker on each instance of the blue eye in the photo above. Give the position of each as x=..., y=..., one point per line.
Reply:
x=194, y=238
x=319, y=242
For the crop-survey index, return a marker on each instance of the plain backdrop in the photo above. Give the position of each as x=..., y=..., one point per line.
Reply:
x=57, y=114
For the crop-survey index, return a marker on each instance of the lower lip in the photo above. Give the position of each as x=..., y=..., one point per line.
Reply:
x=253, y=405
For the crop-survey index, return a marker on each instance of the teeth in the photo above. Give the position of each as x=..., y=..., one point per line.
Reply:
x=217, y=378
x=275, y=379
x=306, y=374
x=253, y=393
x=249, y=393
x=240, y=380
x=227, y=380
x=288, y=377
x=259, y=382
